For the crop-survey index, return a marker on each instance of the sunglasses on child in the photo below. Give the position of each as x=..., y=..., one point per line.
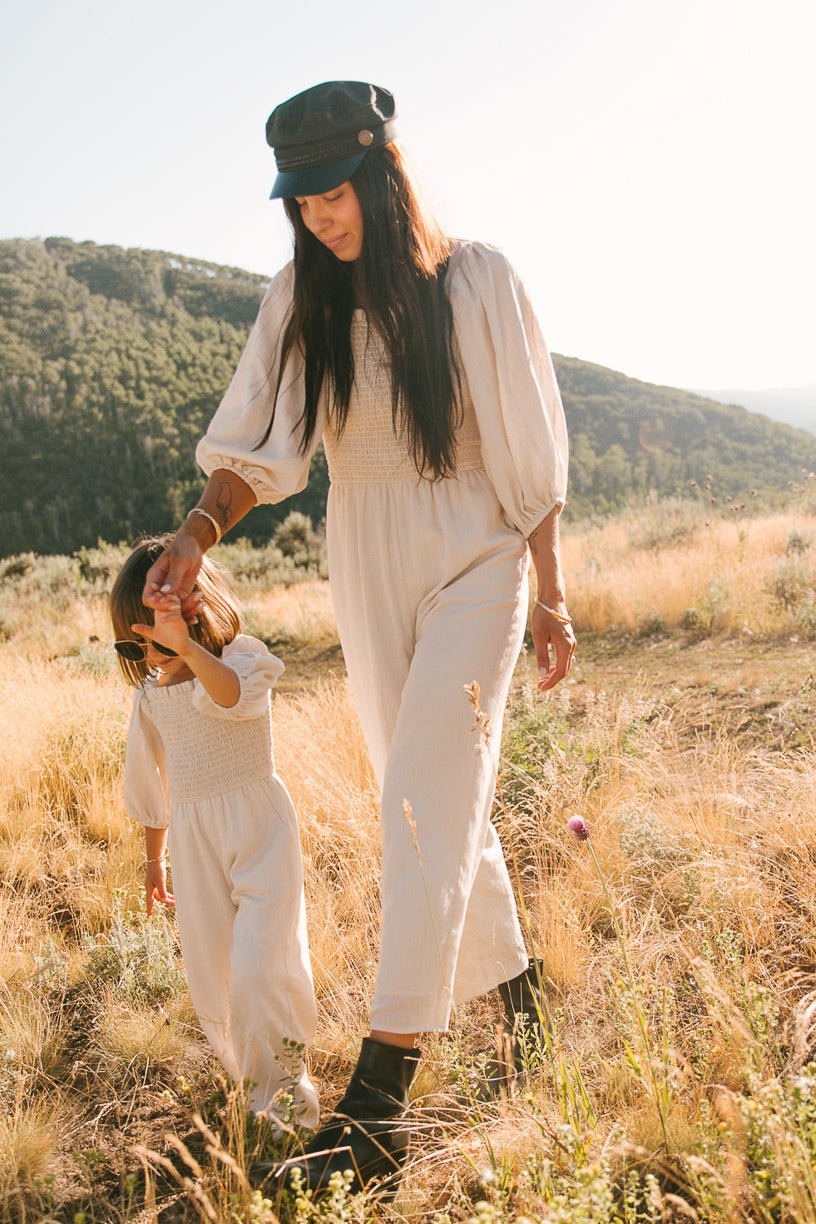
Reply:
x=135, y=651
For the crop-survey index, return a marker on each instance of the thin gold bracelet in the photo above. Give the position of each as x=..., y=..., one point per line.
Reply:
x=559, y=616
x=207, y=515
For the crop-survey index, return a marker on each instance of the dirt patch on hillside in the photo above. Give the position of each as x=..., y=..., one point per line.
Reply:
x=762, y=693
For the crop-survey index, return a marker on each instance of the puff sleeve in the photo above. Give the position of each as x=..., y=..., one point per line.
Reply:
x=257, y=671
x=512, y=384
x=277, y=469
x=147, y=794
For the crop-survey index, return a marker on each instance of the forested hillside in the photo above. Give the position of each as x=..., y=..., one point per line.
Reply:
x=629, y=437
x=112, y=362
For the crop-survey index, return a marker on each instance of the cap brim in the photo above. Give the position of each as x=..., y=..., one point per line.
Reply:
x=315, y=180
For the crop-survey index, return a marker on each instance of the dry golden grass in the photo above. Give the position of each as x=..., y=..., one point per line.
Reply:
x=726, y=569
x=133, y=1038
x=679, y=942
x=31, y=1141
x=320, y=752
x=301, y=611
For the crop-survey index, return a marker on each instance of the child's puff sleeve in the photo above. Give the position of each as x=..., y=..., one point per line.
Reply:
x=512, y=384
x=257, y=670
x=277, y=469
x=147, y=796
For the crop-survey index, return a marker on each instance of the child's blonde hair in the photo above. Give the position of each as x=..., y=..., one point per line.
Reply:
x=219, y=621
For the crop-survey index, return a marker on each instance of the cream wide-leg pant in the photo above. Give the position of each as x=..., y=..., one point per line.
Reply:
x=429, y=586
x=238, y=884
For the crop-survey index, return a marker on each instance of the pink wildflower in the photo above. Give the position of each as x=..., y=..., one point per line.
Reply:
x=578, y=827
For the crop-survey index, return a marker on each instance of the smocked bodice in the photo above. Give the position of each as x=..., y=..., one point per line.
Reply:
x=369, y=451
x=207, y=756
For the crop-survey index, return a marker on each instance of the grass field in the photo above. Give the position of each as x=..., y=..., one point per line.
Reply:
x=679, y=941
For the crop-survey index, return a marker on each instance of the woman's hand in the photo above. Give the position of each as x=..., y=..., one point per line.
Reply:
x=553, y=637
x=176, y=571
x=554, y=646
x=225, y=499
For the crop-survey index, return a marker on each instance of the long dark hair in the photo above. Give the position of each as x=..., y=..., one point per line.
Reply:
x=399, y=281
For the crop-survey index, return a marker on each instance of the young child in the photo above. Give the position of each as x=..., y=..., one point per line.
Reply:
x=199, y=760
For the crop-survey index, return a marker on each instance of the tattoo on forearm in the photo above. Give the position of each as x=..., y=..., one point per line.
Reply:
x=223, y=504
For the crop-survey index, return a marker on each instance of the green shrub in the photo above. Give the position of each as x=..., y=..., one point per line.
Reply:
x=792, y=583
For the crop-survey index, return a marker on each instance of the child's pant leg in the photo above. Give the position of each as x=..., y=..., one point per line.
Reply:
x=205, y=915
x=273, y=1009
x=238, y=883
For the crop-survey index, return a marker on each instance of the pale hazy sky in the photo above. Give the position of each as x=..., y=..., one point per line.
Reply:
x=648, y=166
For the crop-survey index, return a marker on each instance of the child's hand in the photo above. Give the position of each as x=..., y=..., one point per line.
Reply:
x=169, y=627
x=156, y=885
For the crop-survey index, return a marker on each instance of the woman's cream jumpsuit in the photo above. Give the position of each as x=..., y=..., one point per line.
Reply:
x=429, y=584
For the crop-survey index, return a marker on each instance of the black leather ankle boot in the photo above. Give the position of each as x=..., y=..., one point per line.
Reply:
x=524, y=996
x=366, y=1133
x=525, y=1006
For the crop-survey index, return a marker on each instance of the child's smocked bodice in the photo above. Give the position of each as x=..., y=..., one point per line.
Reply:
x=205, y=757
x=184, y=747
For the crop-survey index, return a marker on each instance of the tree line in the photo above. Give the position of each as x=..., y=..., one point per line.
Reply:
x=112, y=362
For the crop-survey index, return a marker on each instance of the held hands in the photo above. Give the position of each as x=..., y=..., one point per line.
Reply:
x=175, y=572
x=169, y=627
x=551, y=633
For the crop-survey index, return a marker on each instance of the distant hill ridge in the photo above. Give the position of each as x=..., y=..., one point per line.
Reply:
x=112, y=362
x=794, y=405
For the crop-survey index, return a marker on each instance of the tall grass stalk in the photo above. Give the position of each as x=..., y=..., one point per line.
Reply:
x=656, y=1081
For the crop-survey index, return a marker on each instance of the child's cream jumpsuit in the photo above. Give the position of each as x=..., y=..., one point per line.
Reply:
x=207, y=771
x=429, y=584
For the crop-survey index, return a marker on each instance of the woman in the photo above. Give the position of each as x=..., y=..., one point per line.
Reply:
x=419, y=363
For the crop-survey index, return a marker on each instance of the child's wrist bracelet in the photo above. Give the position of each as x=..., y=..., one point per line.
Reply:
x=206, y=514
x=161, y=859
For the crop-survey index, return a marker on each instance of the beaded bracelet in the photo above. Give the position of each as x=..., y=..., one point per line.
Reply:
x=559, y=616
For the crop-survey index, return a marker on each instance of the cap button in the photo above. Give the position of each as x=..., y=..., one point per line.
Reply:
x=365, y=137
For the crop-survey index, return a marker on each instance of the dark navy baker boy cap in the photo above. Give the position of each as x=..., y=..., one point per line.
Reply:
x=321, y=136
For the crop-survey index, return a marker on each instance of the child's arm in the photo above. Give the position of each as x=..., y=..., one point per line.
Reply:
x=147, y=794
x=156, y=868
x=170, y=629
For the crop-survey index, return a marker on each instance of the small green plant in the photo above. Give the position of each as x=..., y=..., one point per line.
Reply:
x=707, y=615
x=792, y=584
x=99, y=566
x=779, y=1121
x=297, y=539
x=804, y=620
x=92, y=659
x=534, y=731
x=137, y=955
x=799, y=542
x=651, y=626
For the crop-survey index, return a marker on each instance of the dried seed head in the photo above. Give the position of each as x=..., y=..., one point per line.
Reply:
x=482, y=720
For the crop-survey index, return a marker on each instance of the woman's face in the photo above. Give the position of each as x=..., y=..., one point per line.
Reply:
x=336, y=220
